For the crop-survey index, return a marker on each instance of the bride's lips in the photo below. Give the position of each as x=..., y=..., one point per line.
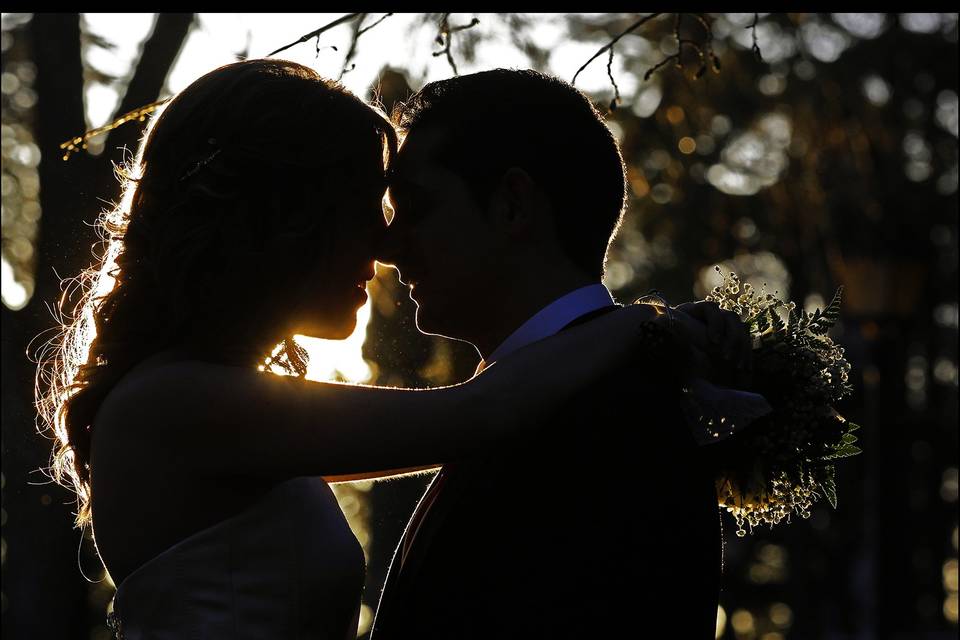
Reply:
x=360, y=291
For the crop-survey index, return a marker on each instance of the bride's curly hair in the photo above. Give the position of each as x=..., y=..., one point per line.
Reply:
x=197, y=224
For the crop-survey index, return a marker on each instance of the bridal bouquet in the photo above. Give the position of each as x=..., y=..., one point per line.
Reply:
x=785, y=460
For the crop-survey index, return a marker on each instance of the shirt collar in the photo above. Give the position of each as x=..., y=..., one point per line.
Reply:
x=552, y=318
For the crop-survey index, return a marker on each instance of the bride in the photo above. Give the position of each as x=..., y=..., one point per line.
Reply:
x=252, y=213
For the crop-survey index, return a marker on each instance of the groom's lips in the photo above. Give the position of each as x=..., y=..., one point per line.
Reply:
x=413, y=283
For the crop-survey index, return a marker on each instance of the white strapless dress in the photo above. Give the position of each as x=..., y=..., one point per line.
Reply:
x=286, y=567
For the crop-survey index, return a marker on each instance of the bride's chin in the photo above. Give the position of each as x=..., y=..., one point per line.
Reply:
x=344, y=332
x=329, y=330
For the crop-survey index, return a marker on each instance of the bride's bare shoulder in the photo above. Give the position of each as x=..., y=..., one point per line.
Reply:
x=135, y=420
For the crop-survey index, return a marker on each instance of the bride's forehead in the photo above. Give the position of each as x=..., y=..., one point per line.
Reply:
x=328, y=184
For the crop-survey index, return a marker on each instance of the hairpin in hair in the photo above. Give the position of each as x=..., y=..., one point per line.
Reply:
x=202, y=163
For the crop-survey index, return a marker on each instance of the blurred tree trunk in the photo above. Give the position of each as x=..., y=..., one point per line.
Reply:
x=41, y=554
x=40, y=566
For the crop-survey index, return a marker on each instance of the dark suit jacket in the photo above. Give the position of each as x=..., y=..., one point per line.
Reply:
x=603, y=524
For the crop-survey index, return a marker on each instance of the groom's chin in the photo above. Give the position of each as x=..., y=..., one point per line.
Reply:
x=432, y=324
x=422, y=320
x=426, y=323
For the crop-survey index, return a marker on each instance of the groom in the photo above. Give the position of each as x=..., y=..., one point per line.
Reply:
x=506, y=192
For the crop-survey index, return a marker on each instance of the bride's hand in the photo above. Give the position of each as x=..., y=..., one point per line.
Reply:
x=721, y=336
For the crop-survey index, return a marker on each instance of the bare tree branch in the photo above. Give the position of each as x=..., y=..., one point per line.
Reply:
x=616, y=89
x=382, y=18
x=755, y=48
x=353, y=46
x=689, y=43
x=708, y=31
x=657, y=66
x=448, y=31
x=693, y=43
x=610, y=44
x=357, y=32
x=330, y=25
x=703, y=50
x=73, y=145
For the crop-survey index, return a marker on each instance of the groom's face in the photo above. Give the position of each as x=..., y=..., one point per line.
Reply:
x=441, y=240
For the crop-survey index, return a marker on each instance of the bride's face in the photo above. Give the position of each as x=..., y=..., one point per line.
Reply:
x=341, y=258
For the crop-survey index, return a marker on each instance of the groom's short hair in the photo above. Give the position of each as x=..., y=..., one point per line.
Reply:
x=494, y=120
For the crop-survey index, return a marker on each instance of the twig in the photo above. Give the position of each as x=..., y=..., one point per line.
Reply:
x=756, y=47
x=317, y=45
x=616, y=89
x=708, y=31
x=365, y=29
x=74, y=145
x=353, y=46
x=448, y=31
x=678, y=56
x=654, y=68
x=330, y=25
x=610, y=44
x=357, y=32
x=674, y=56
x=690, y=43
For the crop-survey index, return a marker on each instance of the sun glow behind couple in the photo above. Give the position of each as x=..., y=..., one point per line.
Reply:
x=340, y=359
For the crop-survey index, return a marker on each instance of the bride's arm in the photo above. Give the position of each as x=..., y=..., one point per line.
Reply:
x=226, y=420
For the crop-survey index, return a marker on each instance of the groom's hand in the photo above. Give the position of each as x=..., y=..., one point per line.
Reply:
x=722, y=336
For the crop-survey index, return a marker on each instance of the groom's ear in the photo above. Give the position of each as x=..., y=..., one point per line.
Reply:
x=514, y=202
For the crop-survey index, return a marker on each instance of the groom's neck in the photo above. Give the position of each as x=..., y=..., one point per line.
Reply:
x=521, y=298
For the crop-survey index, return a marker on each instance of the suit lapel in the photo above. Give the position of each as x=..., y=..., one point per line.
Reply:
x=416, y=537
x=587, y=317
